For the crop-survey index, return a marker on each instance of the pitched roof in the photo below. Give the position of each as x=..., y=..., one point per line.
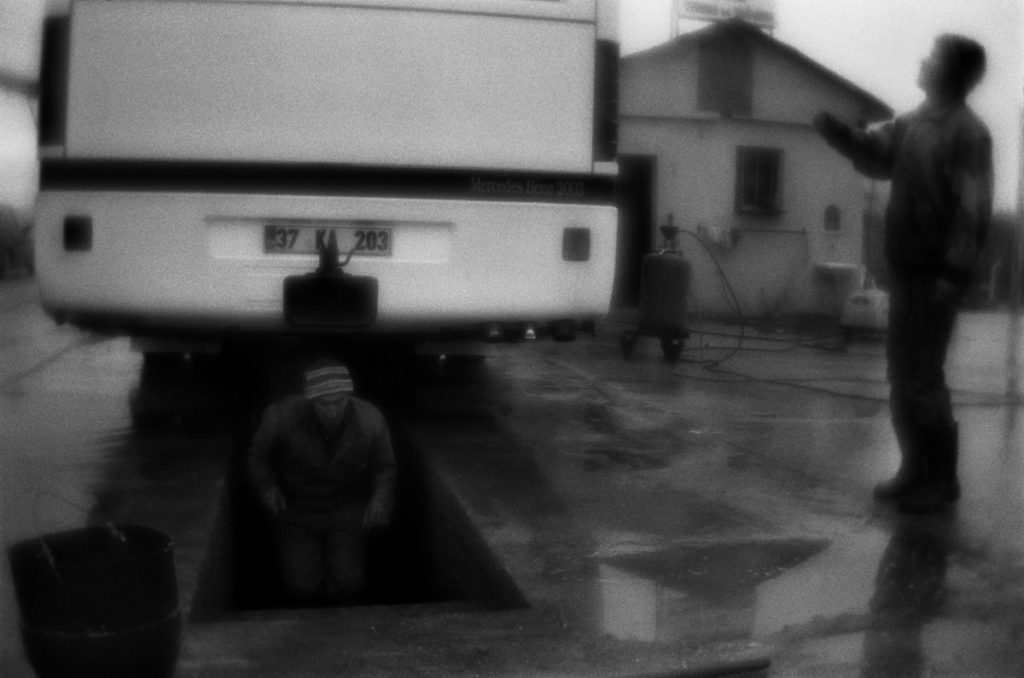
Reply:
x=738, y=29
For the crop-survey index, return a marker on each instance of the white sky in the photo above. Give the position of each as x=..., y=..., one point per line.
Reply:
x=19, y=54
x=877, y=44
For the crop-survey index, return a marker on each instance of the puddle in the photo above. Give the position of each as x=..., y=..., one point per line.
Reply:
x=838, y=582
x=696, y=593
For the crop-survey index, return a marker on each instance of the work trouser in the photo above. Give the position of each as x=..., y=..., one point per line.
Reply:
x=920, y=328
x=322, y=564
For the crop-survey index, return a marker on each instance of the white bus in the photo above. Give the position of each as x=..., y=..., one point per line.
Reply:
x=197, y=155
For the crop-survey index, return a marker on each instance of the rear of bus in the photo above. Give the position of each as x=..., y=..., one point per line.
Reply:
x=196, y=155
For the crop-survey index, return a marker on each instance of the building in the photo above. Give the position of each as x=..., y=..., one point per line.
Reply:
x=715, y=133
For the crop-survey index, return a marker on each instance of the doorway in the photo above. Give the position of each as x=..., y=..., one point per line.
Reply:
x=636, y=214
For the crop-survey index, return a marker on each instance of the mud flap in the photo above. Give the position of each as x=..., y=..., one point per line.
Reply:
x=330, y=301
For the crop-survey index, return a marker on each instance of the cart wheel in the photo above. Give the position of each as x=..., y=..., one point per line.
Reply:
x=626, y=342
x=671, y=346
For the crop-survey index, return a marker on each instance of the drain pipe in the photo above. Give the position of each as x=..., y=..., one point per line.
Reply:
x=1016, y=281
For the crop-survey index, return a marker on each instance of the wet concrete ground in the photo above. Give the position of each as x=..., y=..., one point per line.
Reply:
x=654, y=518
x=739, y=505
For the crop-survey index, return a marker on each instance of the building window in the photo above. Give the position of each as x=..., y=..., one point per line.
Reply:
x=758, y=180
x=833, y=218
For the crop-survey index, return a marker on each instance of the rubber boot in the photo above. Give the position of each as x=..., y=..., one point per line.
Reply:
x=940, y=486
x=910, y=473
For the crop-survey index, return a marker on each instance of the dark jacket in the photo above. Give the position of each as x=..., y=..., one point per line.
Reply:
x=939, y=159
x=323, y=478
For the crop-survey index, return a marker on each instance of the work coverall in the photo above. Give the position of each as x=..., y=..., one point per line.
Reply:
x=939, y=158
x=328, y=482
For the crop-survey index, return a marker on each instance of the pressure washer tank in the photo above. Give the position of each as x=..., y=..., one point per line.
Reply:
x=664, y=288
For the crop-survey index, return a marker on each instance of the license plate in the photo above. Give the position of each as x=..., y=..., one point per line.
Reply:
x=360, y=238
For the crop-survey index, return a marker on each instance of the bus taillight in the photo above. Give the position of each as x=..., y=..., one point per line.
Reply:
x=576, y=244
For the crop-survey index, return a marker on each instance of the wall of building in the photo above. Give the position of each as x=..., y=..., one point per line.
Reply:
x=785, y=93
x=773, y=262
x=661, y=84
x=777, y=264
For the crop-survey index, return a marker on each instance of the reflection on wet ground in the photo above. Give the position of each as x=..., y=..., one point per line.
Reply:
x=909, y=592
x=704, y=506
x=705, y=592
x=786, y=447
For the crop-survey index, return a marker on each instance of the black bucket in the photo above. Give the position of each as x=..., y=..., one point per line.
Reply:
x=98, y=601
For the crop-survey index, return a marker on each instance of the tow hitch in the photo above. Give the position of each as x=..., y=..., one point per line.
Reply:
x=329, y=297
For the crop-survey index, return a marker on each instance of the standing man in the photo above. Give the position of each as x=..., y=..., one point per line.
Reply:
x=939, y=158
x=323, y=465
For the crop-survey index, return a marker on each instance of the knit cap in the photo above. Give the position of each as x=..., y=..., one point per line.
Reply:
x=327, y=377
